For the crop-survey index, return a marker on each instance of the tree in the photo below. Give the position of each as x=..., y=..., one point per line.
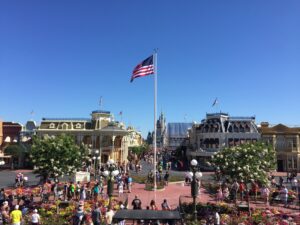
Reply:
x=136, y=152
x=245, y=162
x=57, y=156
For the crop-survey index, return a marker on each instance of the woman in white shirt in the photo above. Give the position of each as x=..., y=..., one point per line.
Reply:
x=35, y=218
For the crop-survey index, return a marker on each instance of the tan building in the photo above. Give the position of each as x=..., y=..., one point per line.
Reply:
x=103, y=135
x=286, y=142
x=134, y=137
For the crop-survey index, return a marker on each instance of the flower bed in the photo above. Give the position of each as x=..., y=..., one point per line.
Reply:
x=231, y=216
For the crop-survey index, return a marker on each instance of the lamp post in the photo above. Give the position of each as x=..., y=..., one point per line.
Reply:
x=95, y=158
x=194, y=185
x=110, y=174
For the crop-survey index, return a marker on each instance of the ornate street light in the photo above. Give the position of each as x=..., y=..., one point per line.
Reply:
x=110, y=174
x=194, y=185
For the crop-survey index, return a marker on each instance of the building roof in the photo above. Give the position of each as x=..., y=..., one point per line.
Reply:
x=66, y=119
x=279, y=128
x=101, y=111
x=178, y=129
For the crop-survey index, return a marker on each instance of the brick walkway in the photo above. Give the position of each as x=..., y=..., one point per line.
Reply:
x=176, y=190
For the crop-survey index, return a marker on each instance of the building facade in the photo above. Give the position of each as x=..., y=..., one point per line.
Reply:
x=99, y=132
x=177, y=134
x=9, y=134
x=217, y=131
x=134, y=137
x=286, y=143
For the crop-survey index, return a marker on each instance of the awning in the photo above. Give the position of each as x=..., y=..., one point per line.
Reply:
x=131, y=214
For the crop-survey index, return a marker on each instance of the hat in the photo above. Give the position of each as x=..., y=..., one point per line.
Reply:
x=5, y=203
x=35, y=211
x=16, y=206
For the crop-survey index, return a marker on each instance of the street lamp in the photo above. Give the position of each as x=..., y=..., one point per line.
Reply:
x=194, y=185
x=95, y=158
x=110, y=174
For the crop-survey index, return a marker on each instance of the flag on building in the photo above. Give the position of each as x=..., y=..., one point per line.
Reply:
x=144, y=68
x=215, y=102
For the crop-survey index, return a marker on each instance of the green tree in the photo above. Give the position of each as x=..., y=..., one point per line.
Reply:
x=137, y=151
x=245, y=162
x=57, y=156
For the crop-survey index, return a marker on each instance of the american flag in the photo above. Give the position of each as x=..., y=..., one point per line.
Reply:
x=143, y=69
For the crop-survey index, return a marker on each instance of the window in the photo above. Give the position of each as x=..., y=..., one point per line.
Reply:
x=290, y=163
x=52, y=126
x=294, y=140
x=65, y=126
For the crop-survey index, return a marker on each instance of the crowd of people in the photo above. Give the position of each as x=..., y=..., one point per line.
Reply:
x=274, y=192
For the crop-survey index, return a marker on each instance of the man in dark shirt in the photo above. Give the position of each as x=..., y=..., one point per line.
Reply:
x=96, y=215
x=136, y=203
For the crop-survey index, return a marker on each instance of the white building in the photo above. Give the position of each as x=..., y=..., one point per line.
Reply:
x=217, y=131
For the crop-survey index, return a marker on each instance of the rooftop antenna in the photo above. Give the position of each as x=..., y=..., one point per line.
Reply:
x=100, y=102
x=31, y=114
x=185, y=116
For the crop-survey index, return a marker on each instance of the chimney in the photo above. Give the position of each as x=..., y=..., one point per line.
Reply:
x=264, y=124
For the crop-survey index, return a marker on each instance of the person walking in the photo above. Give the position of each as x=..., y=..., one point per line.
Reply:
x=109, y=216
x=83, y=193
x=217, y=218
x=166, y=178
x=284, y=195
x=219, y=194
x=96, y=191
x=165, y=205
x=35, y=218
x=136, y=203
x=242, y=189
x=129, y=183
x=153, y=205
x=5, y=213
x=234, y=190
x=254, y=189
x=79, y=217
x=96, y=215
x=16, y=216
x=121, y=187
x=265, y=194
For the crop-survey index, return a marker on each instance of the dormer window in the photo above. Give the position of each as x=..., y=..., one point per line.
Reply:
x=78, y=126
x=65, y=126
x=52, y=126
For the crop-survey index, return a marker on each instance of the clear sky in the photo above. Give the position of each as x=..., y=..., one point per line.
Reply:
x=58, y=57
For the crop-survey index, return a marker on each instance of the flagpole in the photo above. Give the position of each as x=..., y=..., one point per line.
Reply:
x=155, y=99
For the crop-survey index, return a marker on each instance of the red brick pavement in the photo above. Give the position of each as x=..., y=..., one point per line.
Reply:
x=176, y=190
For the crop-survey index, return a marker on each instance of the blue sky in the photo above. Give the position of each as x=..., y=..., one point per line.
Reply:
x=58, y=57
